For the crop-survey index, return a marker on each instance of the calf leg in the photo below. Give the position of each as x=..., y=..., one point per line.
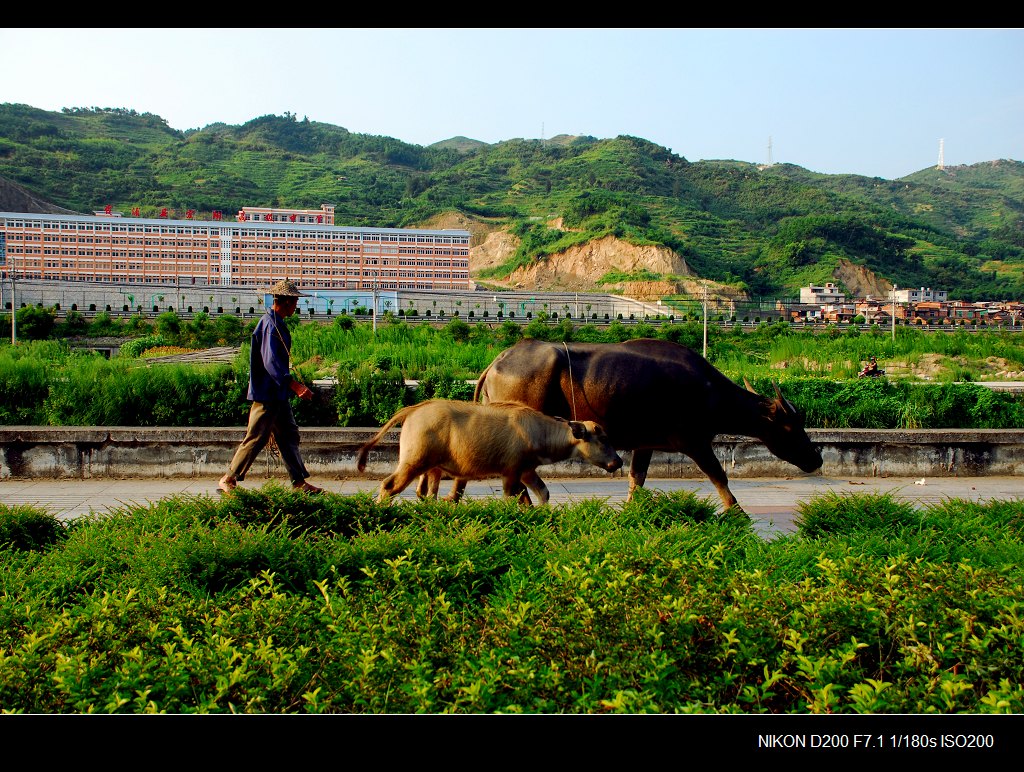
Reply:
x=396, y=482
x=429, y=484
x=458, y=488
x=638, y=467
x=532, y=480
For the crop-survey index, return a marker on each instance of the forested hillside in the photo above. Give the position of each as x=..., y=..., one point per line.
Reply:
x=767, y=230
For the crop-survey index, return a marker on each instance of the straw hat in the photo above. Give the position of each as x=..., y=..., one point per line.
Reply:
x=285, y=288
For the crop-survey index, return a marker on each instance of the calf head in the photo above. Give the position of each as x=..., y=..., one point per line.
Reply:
x=592, y=445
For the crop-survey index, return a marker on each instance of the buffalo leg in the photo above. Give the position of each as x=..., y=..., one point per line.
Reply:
x=532, y=480
x=638, y=467
x=709, y=464
x=513, y=488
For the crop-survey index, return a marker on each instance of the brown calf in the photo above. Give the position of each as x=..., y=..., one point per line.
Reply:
x=469, y=441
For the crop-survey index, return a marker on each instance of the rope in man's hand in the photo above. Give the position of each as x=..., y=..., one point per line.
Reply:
x=273, y=454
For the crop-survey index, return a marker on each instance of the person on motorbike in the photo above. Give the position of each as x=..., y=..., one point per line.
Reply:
x=870, y=369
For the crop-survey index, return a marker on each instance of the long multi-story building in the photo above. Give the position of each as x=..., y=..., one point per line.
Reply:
x=260, y=248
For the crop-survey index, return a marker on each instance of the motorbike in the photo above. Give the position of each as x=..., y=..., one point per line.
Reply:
x=876, y=373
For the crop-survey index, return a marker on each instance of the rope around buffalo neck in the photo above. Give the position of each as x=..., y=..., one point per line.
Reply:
x=572, y=389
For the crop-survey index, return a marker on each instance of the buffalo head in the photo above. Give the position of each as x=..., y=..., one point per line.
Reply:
x=784, y=435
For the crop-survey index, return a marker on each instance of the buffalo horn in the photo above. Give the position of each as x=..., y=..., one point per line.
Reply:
x=785, y=402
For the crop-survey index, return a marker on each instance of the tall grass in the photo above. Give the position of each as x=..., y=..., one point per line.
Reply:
x=44, y=383
x=118, y=392
x=413, y=349
x=840, y=354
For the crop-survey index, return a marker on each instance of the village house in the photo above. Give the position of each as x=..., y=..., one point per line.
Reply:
x=828, y=304
x=818, y=295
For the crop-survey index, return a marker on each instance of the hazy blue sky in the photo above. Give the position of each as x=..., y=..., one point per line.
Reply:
x=874, y=102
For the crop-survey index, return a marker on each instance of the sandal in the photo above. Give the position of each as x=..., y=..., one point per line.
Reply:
x=224, y=486
x=305, y=487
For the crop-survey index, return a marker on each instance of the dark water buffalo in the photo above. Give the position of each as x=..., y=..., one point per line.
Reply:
x=649, y=395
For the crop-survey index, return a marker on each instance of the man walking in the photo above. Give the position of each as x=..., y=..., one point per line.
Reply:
x=270, y=388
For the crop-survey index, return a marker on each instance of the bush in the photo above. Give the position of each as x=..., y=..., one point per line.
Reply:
x=369, y=396
x=270, y=601
x=168, y=325
x=441, y=384
x=137, y=346
x=29, y=528
x=35, y=323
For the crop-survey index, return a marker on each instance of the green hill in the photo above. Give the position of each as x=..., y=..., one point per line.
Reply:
x=768, y=230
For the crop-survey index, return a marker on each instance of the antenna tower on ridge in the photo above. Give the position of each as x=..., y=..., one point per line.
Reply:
x=770, y=161
x=942, y=163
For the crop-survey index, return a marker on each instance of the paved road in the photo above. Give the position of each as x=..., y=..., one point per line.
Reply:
x=772, y=503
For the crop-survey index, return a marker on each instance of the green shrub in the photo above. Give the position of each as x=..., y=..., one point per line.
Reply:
x=851, y=513
x=270, y=601
x=440, y=383
x=29, y=528
x=369, y=396
x=136, y=346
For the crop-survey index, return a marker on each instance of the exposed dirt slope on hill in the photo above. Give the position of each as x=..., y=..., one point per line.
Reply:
x=580, y=268
x=860, y=282
x=14, y=198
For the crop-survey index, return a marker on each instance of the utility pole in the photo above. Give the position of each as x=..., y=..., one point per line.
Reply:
x=704, y=289
x=14, y=311
x=375, y=303
x=893, y=318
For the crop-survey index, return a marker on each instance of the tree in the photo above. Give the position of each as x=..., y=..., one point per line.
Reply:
x=458, y=329
x=35, y=323
x=228, y=329
x=75, y=323
x=168, y=324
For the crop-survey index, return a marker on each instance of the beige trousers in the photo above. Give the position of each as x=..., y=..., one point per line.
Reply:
x=266, y=418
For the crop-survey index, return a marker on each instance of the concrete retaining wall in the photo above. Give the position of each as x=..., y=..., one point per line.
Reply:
x=160, y=452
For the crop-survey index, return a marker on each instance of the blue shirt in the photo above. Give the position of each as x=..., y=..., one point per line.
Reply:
x=269, y=377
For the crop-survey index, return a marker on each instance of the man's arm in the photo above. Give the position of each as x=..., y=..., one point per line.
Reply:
x=302, y=391
x=275, y=360
x=275, y=357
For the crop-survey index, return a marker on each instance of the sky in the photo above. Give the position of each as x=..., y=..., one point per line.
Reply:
x=878, y=102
